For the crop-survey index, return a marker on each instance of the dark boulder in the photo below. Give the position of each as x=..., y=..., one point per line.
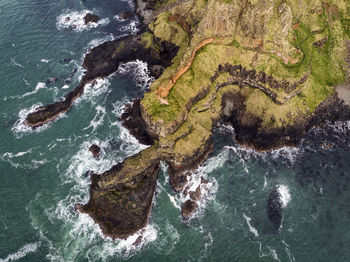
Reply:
x=90, y=18
x=196, y=195
x=95, y=150
x=188, y=208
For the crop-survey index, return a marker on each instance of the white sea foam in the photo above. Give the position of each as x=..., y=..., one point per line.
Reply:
x=44, y=61
x=16, y=160
x=98, y=118
x=139, y=71
x=131, y=28
x=285, y=196
x=98, y=41
x=13, y=62
x=19, y=128
x=74, y=20
x=118, y=107
x=22, y=252
x=289, y=253
x=208, y=190
x=288, y=154
x=38, y=87
x=251, y=228
x=65, y=87
x=128, y=247
x=94, y=89
x=173, y=201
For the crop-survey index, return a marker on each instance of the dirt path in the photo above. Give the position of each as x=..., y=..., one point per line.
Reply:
x=163, y=92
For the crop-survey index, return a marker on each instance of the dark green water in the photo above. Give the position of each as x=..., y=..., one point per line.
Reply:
x=43, y=172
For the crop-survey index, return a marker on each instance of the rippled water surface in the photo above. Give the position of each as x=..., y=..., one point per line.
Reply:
x=43, y=172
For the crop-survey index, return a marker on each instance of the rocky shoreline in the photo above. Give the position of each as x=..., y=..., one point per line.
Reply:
x=269, y=102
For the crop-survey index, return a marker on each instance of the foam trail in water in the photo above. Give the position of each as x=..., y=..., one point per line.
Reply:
x=290, y=154
x=39, y=86
x=13, y=62
x=17, y=161
x=22, y=252
x=251, y=228
x=95, y=88
x=98, y=118
x=74, y=20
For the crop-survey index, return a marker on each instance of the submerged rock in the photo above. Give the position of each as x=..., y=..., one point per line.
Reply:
x=274, y=207
x=51, y=80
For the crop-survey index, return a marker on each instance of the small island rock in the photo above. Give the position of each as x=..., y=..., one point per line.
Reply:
x=95, y=150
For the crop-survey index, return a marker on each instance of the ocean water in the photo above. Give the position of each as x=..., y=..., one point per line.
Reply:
x=43, y=172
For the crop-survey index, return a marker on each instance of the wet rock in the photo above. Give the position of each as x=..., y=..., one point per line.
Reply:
x=274, y=207
x=137, y=241
x=196, y=195
x=67, y=19
x=51, y=80
x=102, y=61
x=178, y=180
x=91, y=18
x=204, y=181
x=126, y=15
x=133, y=121
x=188, y=208
x=95, y=150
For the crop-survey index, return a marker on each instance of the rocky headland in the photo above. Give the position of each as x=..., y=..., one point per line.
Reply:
x=273, y=69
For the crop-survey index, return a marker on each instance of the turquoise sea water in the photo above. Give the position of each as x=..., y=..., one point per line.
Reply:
x=43, y=172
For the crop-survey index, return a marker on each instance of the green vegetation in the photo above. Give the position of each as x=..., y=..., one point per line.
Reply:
x=298, y=40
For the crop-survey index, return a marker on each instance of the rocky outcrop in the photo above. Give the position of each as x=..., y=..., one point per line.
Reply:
x=188, y=209
x=95, y=150
x=265, y=67
x=121, y=198
x=133, y=121
x=91, y=18
x=126, y=15
x=102, y=61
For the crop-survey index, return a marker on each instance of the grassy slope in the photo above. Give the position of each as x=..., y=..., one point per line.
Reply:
x=308, y=22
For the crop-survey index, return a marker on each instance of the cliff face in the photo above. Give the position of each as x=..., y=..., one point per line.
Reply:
x=268, y=67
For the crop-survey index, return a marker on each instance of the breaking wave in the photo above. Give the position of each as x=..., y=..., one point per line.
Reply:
x=22, y=252
x=74, y=20
x=139, y=71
